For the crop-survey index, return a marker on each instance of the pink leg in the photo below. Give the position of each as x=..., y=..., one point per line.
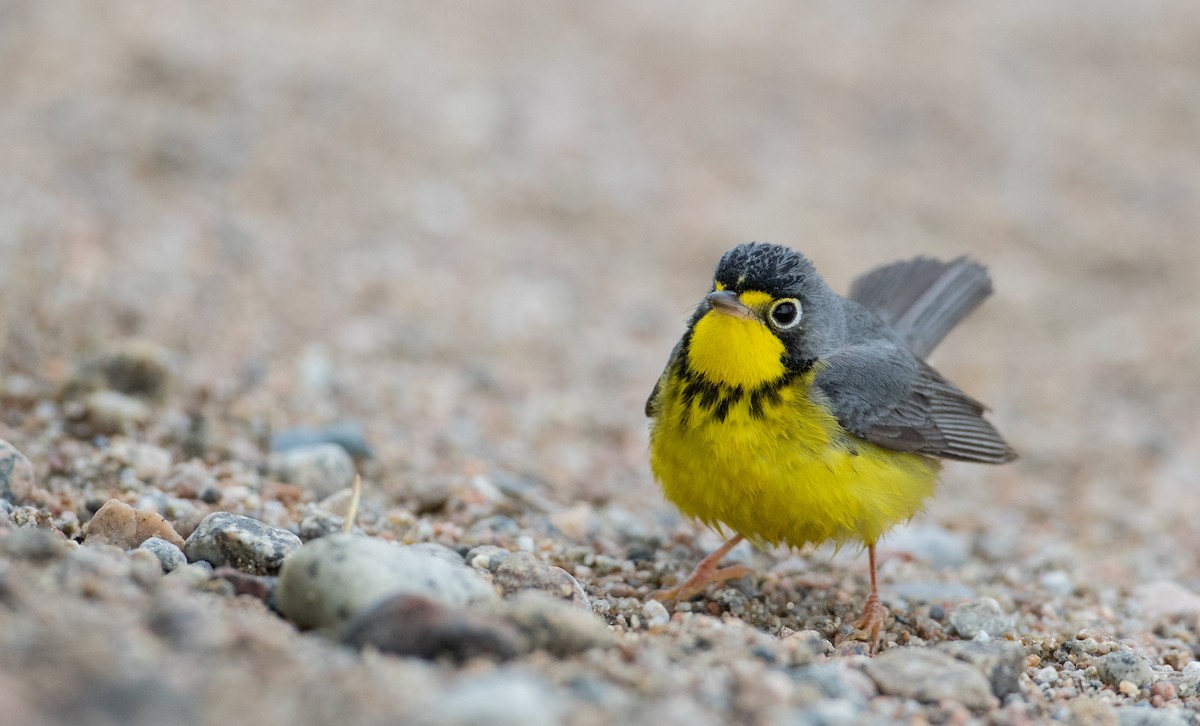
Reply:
x=706, y=572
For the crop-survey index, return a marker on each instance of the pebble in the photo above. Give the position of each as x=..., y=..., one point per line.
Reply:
x=416, y=625
x=821, y=681
x=16, y=474
x=349, y=436
x=654, y=614
x=332, y=579
x=1160, y=599
x=317, y=523
x=1123, y=665
x=240, y=542
x=149, y=463
x=1145, y=716
x=34, y=544
x=109, y=412
x=1001, y=662
x=487, y=557
x=927, y=543
x=502, y=698
x=523, y=571
x=133, y=367
x=440, y=551
x=553, y=625
x=929, y=676
x=319, y=468
x=119, y=524
x=1058, y=583
x=169, y=555
x=980, y=616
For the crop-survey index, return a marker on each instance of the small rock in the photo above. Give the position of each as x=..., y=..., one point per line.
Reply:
x=523, y=571
x=1001, y=662
x=149, y=463
x=34, y=544
x=1161, y=599
x=487, y=557
x=241, y=542
x=502, y=698
x=430, y=494
x=551, y=624
x=1143, y=716
x=16, y=474
x=134, y=368
x=822, y=681
x=654, y=614
x=420, y=626
x=256, y=586
x=349, y=436
x=982, y=615
x=320, y=468
x=927, y=543
x=110, y=412
x=930, y=676
x=170, y=556
x=1057, y=582
x=440, y=551
x=332, y=579
x=119, y=524
x=1123, y=665
x=317, y=523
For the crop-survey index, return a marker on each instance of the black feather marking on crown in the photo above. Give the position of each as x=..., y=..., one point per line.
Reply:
x=774, y=269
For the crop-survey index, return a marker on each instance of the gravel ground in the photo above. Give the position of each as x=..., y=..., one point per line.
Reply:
x=249, y=250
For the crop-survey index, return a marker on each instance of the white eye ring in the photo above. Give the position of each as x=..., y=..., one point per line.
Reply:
x=785, y=313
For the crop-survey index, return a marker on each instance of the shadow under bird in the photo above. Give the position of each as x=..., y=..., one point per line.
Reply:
x=791, y=415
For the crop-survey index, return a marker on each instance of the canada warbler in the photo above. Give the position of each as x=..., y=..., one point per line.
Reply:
x=792, y=415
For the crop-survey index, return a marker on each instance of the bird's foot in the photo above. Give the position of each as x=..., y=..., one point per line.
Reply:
x=705, y=574
x=869, y=627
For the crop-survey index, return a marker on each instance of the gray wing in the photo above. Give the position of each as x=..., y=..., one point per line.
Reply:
x=923, y=298
x=884, y=394
x=651, y=403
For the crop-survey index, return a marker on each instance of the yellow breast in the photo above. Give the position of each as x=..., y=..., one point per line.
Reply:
x=756, y=453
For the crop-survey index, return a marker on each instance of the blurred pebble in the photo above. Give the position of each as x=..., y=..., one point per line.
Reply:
x=1057, y=582
x=119, y=524
x=332, y=579
x=241, y=583
x=133, y=367
x=981, y=616
x=523, y=571
x=440, y=551
x=929, y=676
x=319, y=468
x=188, y=479
x=1160, y=599
x=502, y=698
x=241, y=542
x=551, y=624
x=317, y=523
x=430, y=494
x=654, y=614
x=821, y=681
x=149, y=463
x=16, y=474
x=110, y=412
x=416, y=625
x=932, y=591
x=169, y=555
x=1124, y=665
x=576, y=523
x=349, y=436
x=34, y=544
x=1001, y=662
x=487, y=557
x=1142, y=715
x=927, y=543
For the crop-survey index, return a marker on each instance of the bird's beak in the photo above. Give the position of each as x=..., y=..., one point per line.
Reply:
x=727, y=302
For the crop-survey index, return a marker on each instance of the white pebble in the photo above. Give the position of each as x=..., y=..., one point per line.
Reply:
x=525, y=543
x=655, y=614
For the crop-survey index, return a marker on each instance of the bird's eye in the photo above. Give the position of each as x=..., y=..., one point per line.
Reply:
x=785, y=313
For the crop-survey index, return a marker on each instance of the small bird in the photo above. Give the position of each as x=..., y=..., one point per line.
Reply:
x=791, y=415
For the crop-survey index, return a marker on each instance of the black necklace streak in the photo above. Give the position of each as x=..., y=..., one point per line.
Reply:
x=718, y=399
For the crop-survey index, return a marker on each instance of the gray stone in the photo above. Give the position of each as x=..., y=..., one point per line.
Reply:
x=553, y=625
x=34, y=544
x=1001, y=662
x=983, y=615
x=1124, y=665
x=523, y=571
x=487, y=557
x=110, y=412
x=512, y=698
x=16, y=474
x=1142, y=715
x=823, y=681
x=240, y=542
x=930, y=676
x=169, y=556
x=332, y=579
x=317, y=523
x=420, y=626
x=320, y=468
x=134, y=367
x=440, y=551
x=349, y=436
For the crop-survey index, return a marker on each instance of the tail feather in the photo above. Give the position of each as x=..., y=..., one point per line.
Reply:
x=923, y=298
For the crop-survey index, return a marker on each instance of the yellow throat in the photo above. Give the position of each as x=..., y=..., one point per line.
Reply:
x=737, y=351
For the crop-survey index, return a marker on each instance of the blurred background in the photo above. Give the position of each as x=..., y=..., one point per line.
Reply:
x=478, y=229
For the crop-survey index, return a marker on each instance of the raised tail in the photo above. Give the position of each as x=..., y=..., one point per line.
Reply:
x=923, y=298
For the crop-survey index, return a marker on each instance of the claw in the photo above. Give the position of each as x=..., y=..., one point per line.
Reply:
x=705, y=574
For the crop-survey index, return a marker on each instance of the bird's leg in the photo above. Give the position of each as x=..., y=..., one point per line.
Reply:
x=706, y=572
x=871, y=622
